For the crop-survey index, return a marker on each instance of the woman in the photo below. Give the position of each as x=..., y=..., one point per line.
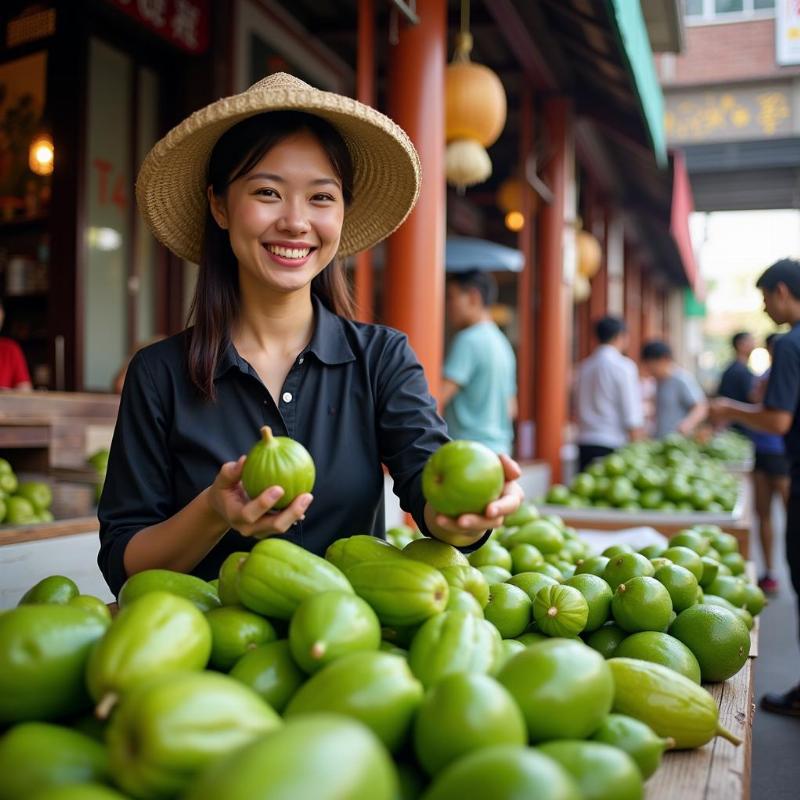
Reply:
x=770, y=478
x=264, y=190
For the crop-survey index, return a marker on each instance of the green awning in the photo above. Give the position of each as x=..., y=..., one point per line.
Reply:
x=632, y=33
x=693, y=307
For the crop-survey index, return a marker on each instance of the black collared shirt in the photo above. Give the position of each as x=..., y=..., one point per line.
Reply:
x=356, y=397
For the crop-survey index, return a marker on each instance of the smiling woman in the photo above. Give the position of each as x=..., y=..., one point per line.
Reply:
x=264, y=190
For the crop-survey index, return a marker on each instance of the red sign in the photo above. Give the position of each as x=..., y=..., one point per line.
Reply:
x=183, y=23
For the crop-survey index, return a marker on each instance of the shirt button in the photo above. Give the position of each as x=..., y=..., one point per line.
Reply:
x=287, y=397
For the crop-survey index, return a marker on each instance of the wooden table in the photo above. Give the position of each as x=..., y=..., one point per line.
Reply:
x=717, y=771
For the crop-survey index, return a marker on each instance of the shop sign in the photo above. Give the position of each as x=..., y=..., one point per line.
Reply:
x=787, y=32
x=183, y=23
x=736, y=113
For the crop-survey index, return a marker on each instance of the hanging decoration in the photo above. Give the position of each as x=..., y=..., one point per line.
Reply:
x=475, y=112
x=581, y=289
x=40, y=154
x=590, y=254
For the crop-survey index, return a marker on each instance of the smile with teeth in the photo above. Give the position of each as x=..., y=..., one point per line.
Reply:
x=288, y=252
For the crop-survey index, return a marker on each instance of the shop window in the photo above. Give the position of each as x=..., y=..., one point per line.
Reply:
x=704, y=11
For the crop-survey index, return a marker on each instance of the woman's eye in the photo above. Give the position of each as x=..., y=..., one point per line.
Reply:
x=266, y=192
x=323, y=198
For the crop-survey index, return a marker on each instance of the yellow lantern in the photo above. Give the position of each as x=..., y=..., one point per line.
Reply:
x=475, y=101
x=515, y=221
x=590, y=254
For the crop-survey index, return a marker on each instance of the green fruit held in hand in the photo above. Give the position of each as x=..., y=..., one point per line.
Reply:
x=39, y=494
x=718, y=638
x=564, y=688
x=328, y=625
x=661, y=648
x=35, y=756
x=462, y=477
x=641, y=604
x=278, y=461
x=606, y=640
x=234, y=632
x=638, y=740
x=672, y=705
x=560, y=611
x=601, y=771
x=508, y=609
x=462, y=713
x=319, y=756
x=504, y=771
x=56, y=589
x=271, y=672
x=598, y=596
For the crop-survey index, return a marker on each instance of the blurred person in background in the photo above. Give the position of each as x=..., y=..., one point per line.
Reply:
x=607, y=396
x=680, y=403
x=479, y=389
x=737, y=380
x=770, y=476
x=779, y=413
x=13, y=367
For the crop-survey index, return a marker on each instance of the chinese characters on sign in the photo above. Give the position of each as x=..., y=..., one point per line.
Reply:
x=184, y=23
x=787, y=32
x=746, y=113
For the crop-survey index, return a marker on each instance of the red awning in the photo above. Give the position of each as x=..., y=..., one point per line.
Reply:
x=682, y=206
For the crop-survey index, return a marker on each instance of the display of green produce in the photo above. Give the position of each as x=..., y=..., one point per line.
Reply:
x=674, y=474
x=528, y=666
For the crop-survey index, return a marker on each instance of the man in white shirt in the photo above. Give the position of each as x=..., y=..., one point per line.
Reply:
x=608, y=399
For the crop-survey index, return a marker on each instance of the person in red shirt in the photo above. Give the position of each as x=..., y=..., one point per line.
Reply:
x=13, y=369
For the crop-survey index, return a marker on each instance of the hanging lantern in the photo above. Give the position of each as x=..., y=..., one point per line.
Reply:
x=475, y=112
x=475, y=101
x=509, y=195
x=40, y=155
x=581, y=289
x=515, y=221
x=590, y=254
x=466, y=163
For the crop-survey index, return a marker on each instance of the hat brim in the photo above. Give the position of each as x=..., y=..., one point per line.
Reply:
x=172, y=181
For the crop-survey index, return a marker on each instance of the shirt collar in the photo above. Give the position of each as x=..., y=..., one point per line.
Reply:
x=328, y=343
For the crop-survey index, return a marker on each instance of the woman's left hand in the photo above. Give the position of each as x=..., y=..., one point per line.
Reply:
x=469, y=528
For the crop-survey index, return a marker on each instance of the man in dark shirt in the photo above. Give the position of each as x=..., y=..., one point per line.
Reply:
x=737, y=380
x=779, y=413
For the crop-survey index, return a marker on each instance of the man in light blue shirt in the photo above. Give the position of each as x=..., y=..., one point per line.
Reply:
x=479, y=388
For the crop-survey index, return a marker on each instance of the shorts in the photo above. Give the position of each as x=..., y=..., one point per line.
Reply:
x=774, y=464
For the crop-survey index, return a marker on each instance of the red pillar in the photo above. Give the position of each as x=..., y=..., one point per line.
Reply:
x=555, y=304
x=525, y=288
x=414, y=279
x=365, y=93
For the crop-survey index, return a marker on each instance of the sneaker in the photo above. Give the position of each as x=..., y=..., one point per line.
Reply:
x=788, y=703
x=768, y=584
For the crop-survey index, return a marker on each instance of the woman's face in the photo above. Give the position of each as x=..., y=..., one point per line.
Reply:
x=285, y=216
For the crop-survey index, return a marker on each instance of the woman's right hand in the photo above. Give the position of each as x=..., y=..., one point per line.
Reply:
x=255, y=517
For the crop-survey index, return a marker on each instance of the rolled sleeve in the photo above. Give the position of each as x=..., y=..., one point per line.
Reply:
x=137, y=491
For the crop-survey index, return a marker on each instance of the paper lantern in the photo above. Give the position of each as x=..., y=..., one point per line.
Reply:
x=515, y=221
x=590, y=254
x=466, y=163
x=475, y=103
x=40, y=155
x=581, y=289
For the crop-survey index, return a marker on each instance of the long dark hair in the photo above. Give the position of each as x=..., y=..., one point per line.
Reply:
x=216, y=298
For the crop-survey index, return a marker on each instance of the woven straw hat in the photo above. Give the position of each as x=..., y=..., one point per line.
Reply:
x=171, y=187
